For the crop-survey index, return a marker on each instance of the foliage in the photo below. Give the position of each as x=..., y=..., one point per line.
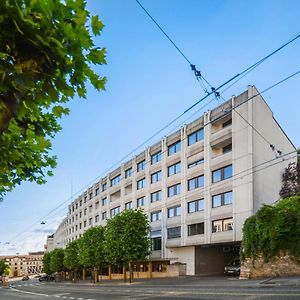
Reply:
x=291, y=180
x=71, y=256
x=46, y=263
x=47, y=56
x=273, y=230
x=91, y=247
x=57, y=260
x=4, y=268
x=127, y=237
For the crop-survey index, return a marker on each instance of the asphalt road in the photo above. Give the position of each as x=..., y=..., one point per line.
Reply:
x=177, y=288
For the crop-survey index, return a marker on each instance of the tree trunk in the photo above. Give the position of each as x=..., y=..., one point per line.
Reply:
x=130, y=272
x=124, y=273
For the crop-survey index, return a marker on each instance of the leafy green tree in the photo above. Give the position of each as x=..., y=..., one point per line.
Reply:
x=91, y=249
x=4, y=268
x=57, y=260
x=46, y=263
x=47, y=56
x=127, y=238
x=71, y=257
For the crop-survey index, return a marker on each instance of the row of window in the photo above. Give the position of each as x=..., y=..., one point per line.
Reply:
x=217, y=175
x=192, y=206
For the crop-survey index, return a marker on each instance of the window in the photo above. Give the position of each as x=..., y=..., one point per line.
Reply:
x=196, y=163
x=96, y=193
x=114, y=211
x=155, y=240
x=97, y=205
x=222, y=173
x=174, y=232
x=222, y=225
x=80, y=203
x=140, y=202
x=174, y=169
x=91, y=196
x=141, y=184
x=195, y=183
x=155, y=177
x=195, y=229
x=115, y=180
x=227, y=149
x=76, y=205
x=128, y=173
x=141, y=166
x=97, y=219
x=85, y=198
x=156, y=196
x=174, y=211
x=195, y=137
x=128, y=205
x=222, y=199
x=90, y=208
x=104, y=201
x=90, y=221
x=174, y=148
x=80, y=214
x=155, y=158
x=174, y=190
x=85, y=211
x=104, y=216
x=104, y=187
x=155, y=216
x=196, y=205
x=227, y=123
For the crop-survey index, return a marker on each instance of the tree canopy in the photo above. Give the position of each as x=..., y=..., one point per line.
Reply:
x=4, y=268
x=71, y=257
x=57, y=260
x=46, y=263
x=47, y=55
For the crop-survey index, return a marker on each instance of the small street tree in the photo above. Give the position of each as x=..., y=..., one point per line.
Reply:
x=127, y=238
x=46, y=263
x=46, y=58
x=57, y=260
x=290, y=180
x=91, y=249
x=71, y=258
x=4, y=268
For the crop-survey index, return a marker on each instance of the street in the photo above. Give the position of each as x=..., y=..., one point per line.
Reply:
x=171, y=288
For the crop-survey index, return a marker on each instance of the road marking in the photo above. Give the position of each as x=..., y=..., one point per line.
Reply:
x=30, y=293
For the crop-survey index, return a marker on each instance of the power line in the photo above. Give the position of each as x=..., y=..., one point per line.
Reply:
x=225, y=114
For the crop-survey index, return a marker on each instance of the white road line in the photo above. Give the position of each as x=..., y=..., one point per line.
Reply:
x=30, y=293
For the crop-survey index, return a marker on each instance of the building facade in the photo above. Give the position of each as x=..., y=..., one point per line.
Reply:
x=197, y=185
x=21, y=265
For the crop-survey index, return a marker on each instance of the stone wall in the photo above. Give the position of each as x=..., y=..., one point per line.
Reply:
x=278, y=266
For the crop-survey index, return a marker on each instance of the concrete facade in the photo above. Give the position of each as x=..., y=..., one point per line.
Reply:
x=208, y=176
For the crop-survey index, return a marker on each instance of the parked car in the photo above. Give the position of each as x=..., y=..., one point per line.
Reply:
x=233, y=267
x=47, y=278
x=26, y=277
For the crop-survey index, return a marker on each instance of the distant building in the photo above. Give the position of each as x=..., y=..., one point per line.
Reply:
x=197, y=185
x=21, y=265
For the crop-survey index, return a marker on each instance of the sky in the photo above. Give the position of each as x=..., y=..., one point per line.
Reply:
x=148, y=85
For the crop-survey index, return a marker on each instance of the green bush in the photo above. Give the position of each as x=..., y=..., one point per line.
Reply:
x=273, y=230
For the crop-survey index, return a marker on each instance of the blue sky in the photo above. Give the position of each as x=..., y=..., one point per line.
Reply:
x=149, y=84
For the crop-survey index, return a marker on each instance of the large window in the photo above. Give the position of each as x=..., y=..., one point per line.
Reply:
x=96, y=218
x=195, y=229
x=195, y=137
x=104, y=201
x=174, y=211
x=174, y=190
x=155, y=216
x=128, y=205
x=195, y=182
x=222, y=225
x=174, y=148
x=156, y=196
x=174, y=169
x=227, y=149
x=128, y=173
x=155, y=240
x=141, y=183
x=104, y=215
x=141, y=166
x=114, y=211
x=140, y=202
x=222, y=199
x=115, y=180
x=96, y=193
x=174, y=232
x=155, y=177
x=196, y=205
x=104, y=187
x=155, y=158
x=222, y=173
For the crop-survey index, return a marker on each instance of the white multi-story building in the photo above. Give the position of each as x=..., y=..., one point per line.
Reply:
x=198, y=185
